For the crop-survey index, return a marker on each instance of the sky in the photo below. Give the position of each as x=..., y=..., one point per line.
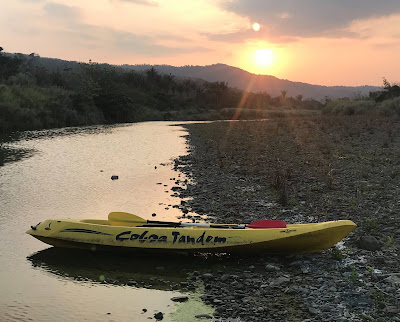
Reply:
x=325, y=42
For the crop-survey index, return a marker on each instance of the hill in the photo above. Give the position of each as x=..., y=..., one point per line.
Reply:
x=236, y=77
x=244, y=80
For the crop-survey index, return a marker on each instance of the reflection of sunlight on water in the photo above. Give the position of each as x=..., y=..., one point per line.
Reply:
x=66, y=173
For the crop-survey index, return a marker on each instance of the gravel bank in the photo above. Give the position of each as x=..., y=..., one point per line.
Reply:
x=301, y=170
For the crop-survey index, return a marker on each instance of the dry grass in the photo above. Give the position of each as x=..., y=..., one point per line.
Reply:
x=325, y=167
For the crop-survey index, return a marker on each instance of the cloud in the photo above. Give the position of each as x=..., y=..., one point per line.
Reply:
x=310, y=18
x=273, y=37
x=144, y=45
x=249, y=34
x=142, y=2
x=71, y=26
x=62, y=12
x=386, y=45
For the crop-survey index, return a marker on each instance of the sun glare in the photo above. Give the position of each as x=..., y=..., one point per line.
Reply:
x=264, y=57
x=256, y=26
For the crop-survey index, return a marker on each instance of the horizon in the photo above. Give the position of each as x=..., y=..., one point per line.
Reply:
x=334, y=43
x=144, y=64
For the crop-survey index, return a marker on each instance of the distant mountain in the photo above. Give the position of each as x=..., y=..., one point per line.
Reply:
x=244, y=80
x=235, y=77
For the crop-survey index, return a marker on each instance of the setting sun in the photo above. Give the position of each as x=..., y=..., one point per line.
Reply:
x=264, y=57
x=256, y=26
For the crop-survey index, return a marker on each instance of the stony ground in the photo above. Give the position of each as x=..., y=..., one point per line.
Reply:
x=305, y=169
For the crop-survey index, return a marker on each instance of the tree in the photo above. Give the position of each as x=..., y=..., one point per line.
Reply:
x=386, y=84
x=167, y=82
x=389, y=91
x=153, y=78
x=188, y=86
x=9, y=66
x=299, y=98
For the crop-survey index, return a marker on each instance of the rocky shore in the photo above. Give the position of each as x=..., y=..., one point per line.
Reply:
x=300, y=170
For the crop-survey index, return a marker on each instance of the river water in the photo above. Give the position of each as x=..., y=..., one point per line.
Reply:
x=67, y=173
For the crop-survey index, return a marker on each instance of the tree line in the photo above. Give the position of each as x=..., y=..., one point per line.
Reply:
x=33, y=96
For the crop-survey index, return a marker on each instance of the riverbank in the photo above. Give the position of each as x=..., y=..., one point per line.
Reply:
x=302, y=170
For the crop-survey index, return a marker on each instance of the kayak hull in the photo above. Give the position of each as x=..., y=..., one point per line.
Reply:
x=102, y=235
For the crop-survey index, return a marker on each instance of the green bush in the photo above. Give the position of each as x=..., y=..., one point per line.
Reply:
x=347, y=106
x=390, y=107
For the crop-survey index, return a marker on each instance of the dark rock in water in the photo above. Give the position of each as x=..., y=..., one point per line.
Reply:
x=179, y=298
x=159, y=316
x=369, y=243
x=203, y=316
x=114, y=177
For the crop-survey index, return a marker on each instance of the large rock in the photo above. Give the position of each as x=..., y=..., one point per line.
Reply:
x=369, y=243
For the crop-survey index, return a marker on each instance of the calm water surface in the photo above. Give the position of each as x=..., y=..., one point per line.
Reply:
x=68, y=175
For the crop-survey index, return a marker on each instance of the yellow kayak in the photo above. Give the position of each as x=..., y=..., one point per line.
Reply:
x=142, y=235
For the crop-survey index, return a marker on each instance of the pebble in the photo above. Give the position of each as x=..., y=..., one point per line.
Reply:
x=279, y=281
x=393, y=279
x=203, y=316
x=207, y=276
x=313, y=287
x=272, y=268
x=224, y=277
x=369, y=243
x=159, y=316
x=180, y=298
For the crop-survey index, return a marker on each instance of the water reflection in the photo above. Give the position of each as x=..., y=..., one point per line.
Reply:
x=169, y=272
x=12, y=154
x=66, y=173
x=10, y=151
x=52, y=133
